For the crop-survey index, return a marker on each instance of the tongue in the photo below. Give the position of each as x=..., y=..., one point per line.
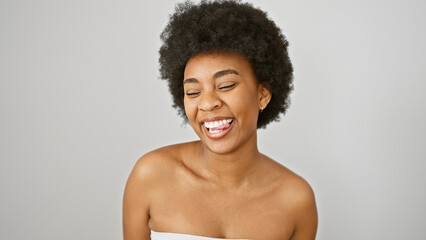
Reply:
x=221, y=127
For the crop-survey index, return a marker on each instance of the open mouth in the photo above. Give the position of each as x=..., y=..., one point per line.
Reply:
x=219, y=126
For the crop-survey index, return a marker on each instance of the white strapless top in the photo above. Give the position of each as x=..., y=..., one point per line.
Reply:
x=180, y=236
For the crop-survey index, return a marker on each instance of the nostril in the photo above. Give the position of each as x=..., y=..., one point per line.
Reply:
x=210, y=103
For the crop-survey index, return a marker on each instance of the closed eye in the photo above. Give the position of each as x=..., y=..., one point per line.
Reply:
x=227, y=87
x=192, y=93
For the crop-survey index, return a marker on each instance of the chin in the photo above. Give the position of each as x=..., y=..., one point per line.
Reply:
x=219, y=147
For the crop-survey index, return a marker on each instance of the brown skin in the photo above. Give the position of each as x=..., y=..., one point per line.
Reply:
x=223, y=188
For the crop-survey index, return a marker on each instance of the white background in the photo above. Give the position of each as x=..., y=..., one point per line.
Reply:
x=81, y=101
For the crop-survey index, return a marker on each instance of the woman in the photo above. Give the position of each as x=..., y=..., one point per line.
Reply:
x=228, y=70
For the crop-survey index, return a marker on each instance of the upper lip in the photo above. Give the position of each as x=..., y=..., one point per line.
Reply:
x=210, y=119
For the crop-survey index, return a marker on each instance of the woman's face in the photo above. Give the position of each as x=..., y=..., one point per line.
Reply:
x=222, y=100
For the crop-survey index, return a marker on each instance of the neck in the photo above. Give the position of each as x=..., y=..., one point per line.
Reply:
x=233, y=169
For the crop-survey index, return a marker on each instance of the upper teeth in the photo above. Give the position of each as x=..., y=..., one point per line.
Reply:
x=215, y=124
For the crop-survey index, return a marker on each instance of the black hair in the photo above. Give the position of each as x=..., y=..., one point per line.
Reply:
x=227, y=26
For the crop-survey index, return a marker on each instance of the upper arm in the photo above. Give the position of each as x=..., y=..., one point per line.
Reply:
x=137, y=198
x=305, y=213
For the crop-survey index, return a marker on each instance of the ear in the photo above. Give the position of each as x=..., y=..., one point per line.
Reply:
x=264, y=96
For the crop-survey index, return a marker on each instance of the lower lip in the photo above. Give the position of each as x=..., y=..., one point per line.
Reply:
x=219, y=134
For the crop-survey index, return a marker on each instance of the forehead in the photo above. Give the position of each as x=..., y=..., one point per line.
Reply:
x=206, y=65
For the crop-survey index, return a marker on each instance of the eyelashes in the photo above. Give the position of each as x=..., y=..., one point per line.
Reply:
x=227, y=87
x=192, y=93
x=221, y=88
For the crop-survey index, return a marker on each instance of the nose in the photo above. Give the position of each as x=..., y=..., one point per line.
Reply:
x=209, y=101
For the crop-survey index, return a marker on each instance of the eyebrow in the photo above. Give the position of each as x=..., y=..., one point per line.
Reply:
x=190, y=80
x=225, y=72
x=216, y=75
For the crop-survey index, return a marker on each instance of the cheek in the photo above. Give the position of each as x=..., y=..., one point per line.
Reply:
x=190, y=110
x=245, y=103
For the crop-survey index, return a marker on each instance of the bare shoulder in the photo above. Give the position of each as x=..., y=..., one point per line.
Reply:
x=155, y=164
x=296, y=189
x=150, y=171
x=291, y=186
x=297, y=198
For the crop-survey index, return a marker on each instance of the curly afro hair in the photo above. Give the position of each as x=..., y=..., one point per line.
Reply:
x=227, y=26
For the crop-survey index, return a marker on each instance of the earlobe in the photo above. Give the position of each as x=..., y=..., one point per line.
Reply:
x=264, y=97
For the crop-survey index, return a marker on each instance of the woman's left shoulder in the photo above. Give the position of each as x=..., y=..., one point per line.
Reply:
x=296, y=196
x=292, y=189
x=296, y=188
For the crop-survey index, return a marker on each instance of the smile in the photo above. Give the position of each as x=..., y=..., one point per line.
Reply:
x=217, y=129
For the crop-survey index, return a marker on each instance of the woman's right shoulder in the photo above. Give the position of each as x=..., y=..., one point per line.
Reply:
x=150, y=171
x=145, y=184
x=160, y=162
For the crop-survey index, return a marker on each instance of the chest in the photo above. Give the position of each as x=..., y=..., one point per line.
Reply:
x=256, y=214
